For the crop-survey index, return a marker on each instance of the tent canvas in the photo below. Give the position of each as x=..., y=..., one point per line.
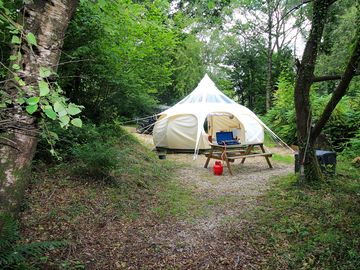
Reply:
x=181, y=127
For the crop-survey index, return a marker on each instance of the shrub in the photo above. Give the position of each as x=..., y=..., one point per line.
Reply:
x=16, y=255
x=95, y=159
x=341, y=127
x=104, y=153
x=352, y=148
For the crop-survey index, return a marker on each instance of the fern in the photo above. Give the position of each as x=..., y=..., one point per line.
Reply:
x=15, y=255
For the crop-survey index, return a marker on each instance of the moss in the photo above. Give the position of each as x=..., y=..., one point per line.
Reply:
x=11, y=196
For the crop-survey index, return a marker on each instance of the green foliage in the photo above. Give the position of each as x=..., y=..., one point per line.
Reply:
x=121, y=55
x=106, y=153
x=188, y=70
x=342, y=125
x=17, y=255
x=43, y=98
x=95, y=159
x=311, y=227
x=287, y=159
x=204, y=12
x=344, y=121
x=352, y=148
x=281, y=117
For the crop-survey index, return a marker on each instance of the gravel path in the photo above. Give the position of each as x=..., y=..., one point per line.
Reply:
x=210, y=241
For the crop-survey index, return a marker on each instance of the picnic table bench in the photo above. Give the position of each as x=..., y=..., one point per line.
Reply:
x=229, y=153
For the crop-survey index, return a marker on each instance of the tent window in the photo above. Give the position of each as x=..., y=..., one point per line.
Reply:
x=193, y=99
x=213, y=99
x=226, y=99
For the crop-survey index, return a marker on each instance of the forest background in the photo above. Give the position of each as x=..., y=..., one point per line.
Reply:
x=120, y=60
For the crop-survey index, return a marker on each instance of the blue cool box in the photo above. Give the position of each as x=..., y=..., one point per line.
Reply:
x=225, y=138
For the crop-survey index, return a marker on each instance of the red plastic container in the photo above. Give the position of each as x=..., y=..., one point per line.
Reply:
x=218, y=168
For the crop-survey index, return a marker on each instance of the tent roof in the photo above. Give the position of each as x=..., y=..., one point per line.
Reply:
x=206, y=98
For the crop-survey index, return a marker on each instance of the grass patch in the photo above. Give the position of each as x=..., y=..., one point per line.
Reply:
x=269, y=141
x=315, y=227
x=288, y=159
x=175, y=200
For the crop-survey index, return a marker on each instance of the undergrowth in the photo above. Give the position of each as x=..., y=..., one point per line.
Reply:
x=106, y=153
x=311, y=227
x=103, y=174
x=15, y=254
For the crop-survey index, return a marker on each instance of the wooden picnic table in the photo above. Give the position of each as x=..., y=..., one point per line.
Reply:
x=229, y=153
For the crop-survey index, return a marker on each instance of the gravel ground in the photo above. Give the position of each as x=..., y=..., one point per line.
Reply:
x=210, y=241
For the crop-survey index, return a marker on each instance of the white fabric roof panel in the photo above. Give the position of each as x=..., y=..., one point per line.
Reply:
x=181, y=126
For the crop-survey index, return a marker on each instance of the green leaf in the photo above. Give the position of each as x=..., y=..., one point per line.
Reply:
x=15, y=40
x=62, y=113
x=20, y=101
x=13, y=57
x=52, y=152
x=31, y=108
x=44, y=72
x=101, y=3
x=33, y=100
x=14, y=31
x=58, y=107
x=65, y=119
x=21, y=82
x=44, y=88
x=73, y=109
x=31, y=39
x=50, y=113
x=54, y=135
x=76, y=122
x=16, y=66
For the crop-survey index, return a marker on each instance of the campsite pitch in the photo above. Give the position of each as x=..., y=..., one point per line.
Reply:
x=200, y=213
x=192, y=220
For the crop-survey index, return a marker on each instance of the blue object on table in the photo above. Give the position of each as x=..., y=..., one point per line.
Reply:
x=225, y=138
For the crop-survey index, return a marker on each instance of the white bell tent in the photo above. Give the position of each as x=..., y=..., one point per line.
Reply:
x=182, y=127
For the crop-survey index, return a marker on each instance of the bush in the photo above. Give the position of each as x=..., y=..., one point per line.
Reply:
x=16, y=255
x=95, y=159
x=281, y=118
x=104, y=153
x=352, y=149
x=341, y=127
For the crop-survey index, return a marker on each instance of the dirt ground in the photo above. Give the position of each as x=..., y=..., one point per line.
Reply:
x=212, y=241
x=210, y=237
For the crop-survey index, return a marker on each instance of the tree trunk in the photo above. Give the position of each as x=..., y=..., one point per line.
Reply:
x=269, y=56
x=309, y=167
x=48, y=21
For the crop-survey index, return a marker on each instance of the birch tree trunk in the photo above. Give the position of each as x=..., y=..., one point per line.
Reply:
x=48, y=21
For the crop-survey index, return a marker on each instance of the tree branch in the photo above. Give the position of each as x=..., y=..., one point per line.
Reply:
x=304, y=2
x=331, y=77
x=340, y=90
